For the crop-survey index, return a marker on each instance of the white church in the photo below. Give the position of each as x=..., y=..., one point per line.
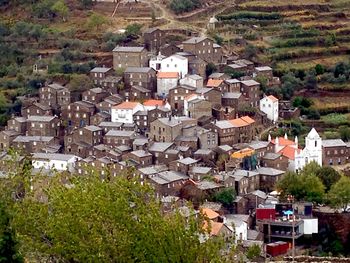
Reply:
x=298, y=158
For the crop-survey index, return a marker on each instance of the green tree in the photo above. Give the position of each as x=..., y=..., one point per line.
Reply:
x=133, y=30
x=86, y=3
x=328, y=176
x=253, y=252
x=80, y=82
x=8, y=244
x=60, y=8
x=344, y=132
x=210, y=68
x=96, y=21
x=226, y=197
x=91, y=220
x=304, y=187
x=319, y=69
x=339, y=195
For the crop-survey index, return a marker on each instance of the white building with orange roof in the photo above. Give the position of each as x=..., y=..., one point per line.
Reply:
x=298, y=158
x=125, y=111
x=269, y=105
x=175, y=63
x=152, y=104
x=165, y=82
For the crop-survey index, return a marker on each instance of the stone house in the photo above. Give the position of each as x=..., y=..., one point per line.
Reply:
x=251, y=91
x=263, y=71
x=234, y=85
x=99, y=117
x=217, y=84
x=177, y=95
x=194, y=80
x=205, y=155
x=36, y=109
x=78, y=114
x=168, y=183
x=124, y=57
x=142, y=157
x=183, y=165
x=108, y=103
x=159, y=151
x=18, y=124
x=335, y=152
x=115, y=138
x=98, y=74
x=141, y=76
x=138, y=93
x=154, y=38
x=234, y=131
x=6, y=138
x=203, y=48
x=275, y=160
x=269, y=177
x=143, y=118
x=83, y=138
x=261, y=148
x=95, y=95
x=197, y=66
x=198, y=108
x=169, y=49
x=197, y=173
x=43, y=126
x=245, y=181
x=112, y=84
x=34, y=144
x=210, y=94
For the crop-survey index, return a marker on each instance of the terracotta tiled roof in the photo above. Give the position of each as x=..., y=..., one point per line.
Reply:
x=289, y=152
x=247, y=119
x=167, y=75
x=272, y=98
x=215, y=227
x=211, y=214
x=214, y=82
x=238, y=122
x=283, y=142
x=188, y=97
x=153, y=103
x=126, y=105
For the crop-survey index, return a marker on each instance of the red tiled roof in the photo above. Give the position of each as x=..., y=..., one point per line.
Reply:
x=153, y=103
x=247, y=119
x=214, y=83
x=167, y=75
x=241, y=122
x=272, y=98
x=215, y=227
x=283, y=142
x=289, y=152
x=211, y=214
x=126, y=105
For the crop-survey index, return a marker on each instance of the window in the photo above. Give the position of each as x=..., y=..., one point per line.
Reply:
x=315, y=143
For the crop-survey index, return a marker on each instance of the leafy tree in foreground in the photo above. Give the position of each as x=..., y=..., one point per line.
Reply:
x=91, y=220
x=328, y=176
x=305, y=186
x=8, y=245
x=339, y=195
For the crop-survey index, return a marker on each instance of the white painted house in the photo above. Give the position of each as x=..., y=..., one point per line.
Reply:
x=194, y=80
x=175, y=63
x=269, y=105
x=165, y=82
x=298, y=158
x=57, y=161
x=125, y=111
x=238, y=225
x=155, y=62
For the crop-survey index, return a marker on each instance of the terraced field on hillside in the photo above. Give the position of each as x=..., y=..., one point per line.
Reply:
x=292, y=34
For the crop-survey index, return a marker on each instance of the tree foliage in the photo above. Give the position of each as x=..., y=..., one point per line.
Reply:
x=328, y=176
x=96, y=21
x=91, y=220
x=305, y=186
x=181, y=6
x=339, y=195
x=225, y=196
x=60, y=8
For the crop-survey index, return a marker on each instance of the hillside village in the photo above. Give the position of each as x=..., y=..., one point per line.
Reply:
x=161, y=112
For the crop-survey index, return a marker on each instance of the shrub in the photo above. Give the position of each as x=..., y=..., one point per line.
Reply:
x=182, y=6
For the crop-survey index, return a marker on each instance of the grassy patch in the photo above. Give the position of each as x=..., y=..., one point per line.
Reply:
x=335, y=119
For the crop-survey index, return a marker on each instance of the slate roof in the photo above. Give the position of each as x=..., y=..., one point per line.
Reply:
x=128, y=49
x=333, y=143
